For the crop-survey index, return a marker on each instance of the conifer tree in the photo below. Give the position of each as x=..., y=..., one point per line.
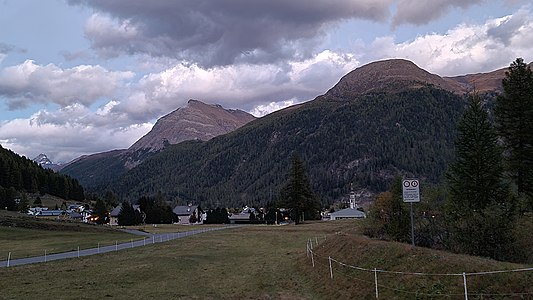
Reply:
x=479, y=210
x=514, y=120
x=101, y=211
x=297, y=194
x=128, y=215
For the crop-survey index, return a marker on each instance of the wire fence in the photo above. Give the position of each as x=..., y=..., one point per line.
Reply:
x=101, y=248
x=329, y=262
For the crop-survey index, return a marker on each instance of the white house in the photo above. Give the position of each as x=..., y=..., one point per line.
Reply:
x=185, y=212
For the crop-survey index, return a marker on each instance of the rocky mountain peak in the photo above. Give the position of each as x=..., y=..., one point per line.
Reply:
x=195, y=121
x=45, y=162
x=42, y=159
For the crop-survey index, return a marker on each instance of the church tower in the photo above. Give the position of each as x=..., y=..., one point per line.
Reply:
x=352, y=197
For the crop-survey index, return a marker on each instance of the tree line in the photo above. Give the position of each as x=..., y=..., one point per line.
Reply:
x=21, y=175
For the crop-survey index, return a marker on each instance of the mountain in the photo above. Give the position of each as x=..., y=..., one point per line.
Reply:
x=400, y=74
x=383, y=119
x=387, y=76
x=195, y=121
x=45, y=162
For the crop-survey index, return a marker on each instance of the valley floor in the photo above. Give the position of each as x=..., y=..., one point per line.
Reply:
x=265, y=262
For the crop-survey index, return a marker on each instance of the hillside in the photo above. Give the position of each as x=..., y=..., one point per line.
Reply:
x=19, y=174
x=195, y=121
x=366, y=140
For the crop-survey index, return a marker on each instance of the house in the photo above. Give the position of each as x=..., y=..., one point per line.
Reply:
x=76, y=207
x=86, y=215
x=74, y=215
x=186, y=212
x=347, y=213
x=113, y=216
x=242, y=218
x=34, y=211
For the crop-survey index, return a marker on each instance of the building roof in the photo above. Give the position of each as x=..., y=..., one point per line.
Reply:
x=116, y=210
x=348, y=213
x=184, y=210
x=50, y=213
x=75, y=215
x=241, y=216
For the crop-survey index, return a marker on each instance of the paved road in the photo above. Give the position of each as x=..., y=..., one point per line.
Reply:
x=150, y=239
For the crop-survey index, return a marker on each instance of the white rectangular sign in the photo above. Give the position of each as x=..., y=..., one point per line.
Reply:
x=411, y=190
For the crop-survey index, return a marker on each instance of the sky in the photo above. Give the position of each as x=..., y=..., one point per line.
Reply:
x=84, y=76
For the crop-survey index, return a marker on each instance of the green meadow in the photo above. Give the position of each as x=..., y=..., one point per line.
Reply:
x=266, y=262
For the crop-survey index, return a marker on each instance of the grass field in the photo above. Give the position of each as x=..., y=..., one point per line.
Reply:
x=26, y=236
x=260, y=262
x=168, y=228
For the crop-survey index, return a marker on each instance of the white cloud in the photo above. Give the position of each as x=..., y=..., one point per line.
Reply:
x=75, y=129
x=64, y=142
x=467, y=48
x=243, y=86
x=30, y=83
x=265, y=109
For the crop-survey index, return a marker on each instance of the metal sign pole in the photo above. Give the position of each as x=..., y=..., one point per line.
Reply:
x=412, y=226
x=411, y=193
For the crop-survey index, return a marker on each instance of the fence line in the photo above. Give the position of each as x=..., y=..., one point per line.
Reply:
x=114, y=247
x=375, y=271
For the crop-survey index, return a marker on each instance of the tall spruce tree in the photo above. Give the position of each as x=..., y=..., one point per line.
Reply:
x=297, y=194
x=100, y=210
x=479, y=210
x=514, y=121
x=128, y=215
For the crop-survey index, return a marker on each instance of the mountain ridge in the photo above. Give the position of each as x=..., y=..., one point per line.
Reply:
x=399, y=74
x=195, y=121
x=386, y=118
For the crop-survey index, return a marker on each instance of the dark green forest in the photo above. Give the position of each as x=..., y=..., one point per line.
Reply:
x=19, y=174
x=366, y=140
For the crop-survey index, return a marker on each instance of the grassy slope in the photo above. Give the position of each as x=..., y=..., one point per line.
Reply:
x=260, y=262
x=26, y=236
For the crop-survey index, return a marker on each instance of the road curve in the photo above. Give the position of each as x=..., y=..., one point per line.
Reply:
x=149, y=239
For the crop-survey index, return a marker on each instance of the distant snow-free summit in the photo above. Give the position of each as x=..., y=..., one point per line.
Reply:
x=195, y=121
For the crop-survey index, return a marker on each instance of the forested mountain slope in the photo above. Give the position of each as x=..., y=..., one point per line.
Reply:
x=20, y=174
x=194, y=121
x=365, y=139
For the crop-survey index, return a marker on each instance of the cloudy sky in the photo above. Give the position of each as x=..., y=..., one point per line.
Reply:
x=85, y=76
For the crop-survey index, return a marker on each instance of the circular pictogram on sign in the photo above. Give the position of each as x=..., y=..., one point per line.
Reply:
x=414, y=183
x=406, y=183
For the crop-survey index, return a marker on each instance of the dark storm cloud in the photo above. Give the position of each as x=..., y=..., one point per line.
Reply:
x=220, y=32
x=423, y=12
